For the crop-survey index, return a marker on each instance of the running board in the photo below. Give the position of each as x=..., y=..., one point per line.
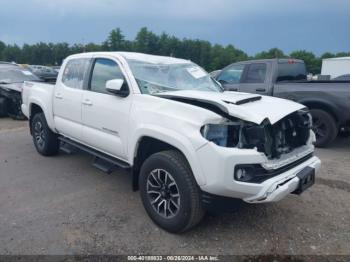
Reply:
x=67, y=148
x=102, y=161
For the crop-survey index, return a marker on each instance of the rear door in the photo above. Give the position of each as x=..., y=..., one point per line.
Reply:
x=231, y=76
x=255, y=78
x=68, y=96
x=105, y=115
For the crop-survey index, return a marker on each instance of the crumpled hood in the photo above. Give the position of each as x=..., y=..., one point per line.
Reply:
x=248, y=107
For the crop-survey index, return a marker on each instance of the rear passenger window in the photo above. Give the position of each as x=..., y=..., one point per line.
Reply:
x=104, y=70
x=74, y=73
x=256, y=73
x=231, y=75
x=291, y=71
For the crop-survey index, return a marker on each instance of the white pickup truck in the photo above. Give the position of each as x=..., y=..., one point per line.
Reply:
x=189, y=145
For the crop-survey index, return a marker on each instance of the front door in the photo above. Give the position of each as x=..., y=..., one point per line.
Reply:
x=105, y=115
x=254, y=79
x=230, y=77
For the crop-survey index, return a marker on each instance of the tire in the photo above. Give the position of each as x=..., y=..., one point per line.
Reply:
x=3, y=107
x=46, y=142
x=176, y=214
x=324, y=126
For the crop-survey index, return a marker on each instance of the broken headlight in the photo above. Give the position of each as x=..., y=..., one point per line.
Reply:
x=226, y=134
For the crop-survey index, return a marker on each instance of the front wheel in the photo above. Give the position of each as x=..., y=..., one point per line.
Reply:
x=324, y=126
x=45, y=141
x=169, y=191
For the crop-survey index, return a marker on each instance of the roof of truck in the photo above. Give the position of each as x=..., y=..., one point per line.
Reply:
x=283, y=60
x=338, y=58
x=136, y=56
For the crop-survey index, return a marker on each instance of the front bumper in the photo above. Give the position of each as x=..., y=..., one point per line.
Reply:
x=218, y=165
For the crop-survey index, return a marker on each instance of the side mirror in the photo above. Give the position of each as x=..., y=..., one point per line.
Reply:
x=114, y=86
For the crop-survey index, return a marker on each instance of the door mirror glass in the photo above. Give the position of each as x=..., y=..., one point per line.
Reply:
x=114, y=86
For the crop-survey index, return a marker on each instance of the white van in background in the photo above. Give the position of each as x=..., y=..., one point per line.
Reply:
x=335, y=67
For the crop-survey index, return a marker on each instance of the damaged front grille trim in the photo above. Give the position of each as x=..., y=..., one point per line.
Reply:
x=291, y=132
x=289, y=158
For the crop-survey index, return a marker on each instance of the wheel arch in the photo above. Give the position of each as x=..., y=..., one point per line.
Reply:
x=323, y=105
x=38, y=107
x=147, y=145
x=33, y=110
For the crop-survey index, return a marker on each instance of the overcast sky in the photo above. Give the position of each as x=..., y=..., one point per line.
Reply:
x=252, y=25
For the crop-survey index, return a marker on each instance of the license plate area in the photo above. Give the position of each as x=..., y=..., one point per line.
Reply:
x=307, y=179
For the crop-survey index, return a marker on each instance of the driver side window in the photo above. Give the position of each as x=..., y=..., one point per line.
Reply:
x=103, y=71
x=231, y=75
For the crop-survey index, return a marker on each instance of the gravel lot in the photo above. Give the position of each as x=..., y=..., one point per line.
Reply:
x=62, y=205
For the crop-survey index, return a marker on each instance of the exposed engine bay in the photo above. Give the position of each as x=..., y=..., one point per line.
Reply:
x=284, y=136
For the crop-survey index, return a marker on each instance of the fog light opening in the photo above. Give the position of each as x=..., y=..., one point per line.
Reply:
x=241, y=173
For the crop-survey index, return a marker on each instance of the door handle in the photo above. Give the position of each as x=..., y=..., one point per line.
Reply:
x=58, y=96
x=260, y=90
x=233, y=89
x=87, y=102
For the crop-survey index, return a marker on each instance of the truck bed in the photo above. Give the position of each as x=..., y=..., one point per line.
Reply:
x=34, y=90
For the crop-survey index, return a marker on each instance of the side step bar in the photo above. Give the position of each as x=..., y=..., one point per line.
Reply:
x=102, y=161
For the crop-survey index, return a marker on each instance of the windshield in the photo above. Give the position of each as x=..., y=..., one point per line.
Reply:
x=155, y=78
x=9, y=76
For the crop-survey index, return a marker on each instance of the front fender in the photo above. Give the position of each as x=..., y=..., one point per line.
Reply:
x=175, y=139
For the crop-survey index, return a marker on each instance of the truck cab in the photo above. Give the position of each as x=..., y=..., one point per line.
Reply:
x=259, y=76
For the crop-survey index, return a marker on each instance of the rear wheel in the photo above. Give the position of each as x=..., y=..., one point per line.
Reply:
x=324, y=126
x=45, y=141
x=169, y=191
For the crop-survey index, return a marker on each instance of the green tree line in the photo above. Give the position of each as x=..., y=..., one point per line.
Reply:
x=210, y=56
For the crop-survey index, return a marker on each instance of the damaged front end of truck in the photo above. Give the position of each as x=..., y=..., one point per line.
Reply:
x=285, y=144
x=273, y=140
x=280, y=131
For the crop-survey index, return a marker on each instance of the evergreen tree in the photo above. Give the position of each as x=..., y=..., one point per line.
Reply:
x=272, y=53
x=313, y=64
x=211, y=57
x=115, y=40
x=2, y=47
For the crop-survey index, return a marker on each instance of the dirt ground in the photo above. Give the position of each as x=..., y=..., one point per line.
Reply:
x=62, y=205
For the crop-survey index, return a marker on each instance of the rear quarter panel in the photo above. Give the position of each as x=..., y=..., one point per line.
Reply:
x=41, y=95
